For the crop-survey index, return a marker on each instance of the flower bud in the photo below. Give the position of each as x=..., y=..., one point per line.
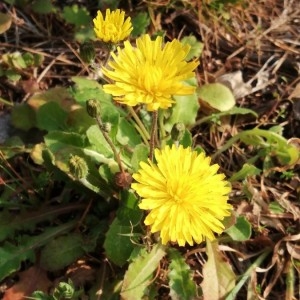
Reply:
x=177, y=132
x=123, y=180
x=87, y=52
x=78, y=167
x=93, y=107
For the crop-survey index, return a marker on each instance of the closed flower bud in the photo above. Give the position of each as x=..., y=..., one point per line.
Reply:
x=87, y=52
x=123, y=180
x=78, y=167
x=93, y=107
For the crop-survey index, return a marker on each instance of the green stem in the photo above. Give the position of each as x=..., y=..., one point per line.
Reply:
x=5, y=102
x=112, y=146
x=153, y=133
x=232, y=295
x=290, y=281
x=140, y=124
x=268, y=135
x=162, y=132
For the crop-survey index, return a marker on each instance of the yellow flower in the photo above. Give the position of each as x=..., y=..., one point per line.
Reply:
x=113, y=28
x=185, y=196
x=150, y=74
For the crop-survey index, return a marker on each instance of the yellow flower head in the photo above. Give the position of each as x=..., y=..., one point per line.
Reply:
x=114, y=28
x=149, y=73
x=185, y=196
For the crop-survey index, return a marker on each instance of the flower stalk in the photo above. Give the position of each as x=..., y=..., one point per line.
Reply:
x=104, y=131
x=153, y=134
x=94, y=110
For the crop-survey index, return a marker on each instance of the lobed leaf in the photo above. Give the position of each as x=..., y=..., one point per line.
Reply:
x=61, y=252
x=184, y=110
x=140, y=273
x=11, y=256
x=118, y=242
x=181, y=282
x=196, y=47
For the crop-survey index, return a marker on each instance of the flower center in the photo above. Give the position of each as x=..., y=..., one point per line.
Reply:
x=150, y=78
x=177, y=190
x=110, y=30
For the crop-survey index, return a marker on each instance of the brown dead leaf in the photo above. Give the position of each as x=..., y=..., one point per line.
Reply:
x=293, y=250
x=31, y=280
x=218, y=276
x=295, y=94
x=30, y=86
x=59, y=95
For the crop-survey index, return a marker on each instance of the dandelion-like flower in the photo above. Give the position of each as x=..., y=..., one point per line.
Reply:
x=185, y=197
x=149, y=73
x=114, y=28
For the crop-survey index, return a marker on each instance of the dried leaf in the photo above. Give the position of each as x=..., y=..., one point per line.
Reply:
x=219, y=278
x=5, y=22
x=31, y=280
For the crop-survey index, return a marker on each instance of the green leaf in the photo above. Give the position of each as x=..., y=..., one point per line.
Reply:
x=51, y=116
x=217, y=96
x=247, y=170
x=5, y=22
x=140, y=22
x=98, y=141
x=62, y=145
x=127, y=134
x=11, y=256
x=239, y=111
x=184, y=110
x=84, y=34
x=181, y=283
x=276, y=208
x=129, y=213
x=13, y=146
x=79, y=16
x=187, y=139
x=28, y=59
x=13, y=75
x=118, y=243
x=86, y=89
x=140, y=153
x=271, y=144
x=218, y=277
x=42, y=6
x=23, y=117
x=61, y=252
x=140, y=273
x=27, y=220
x=56, y=140
x=83, y=83
x=38, y=59
x=241, y=230
x=196, y=47
x=79, y=121
x=60, y=95
x=15, y=60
